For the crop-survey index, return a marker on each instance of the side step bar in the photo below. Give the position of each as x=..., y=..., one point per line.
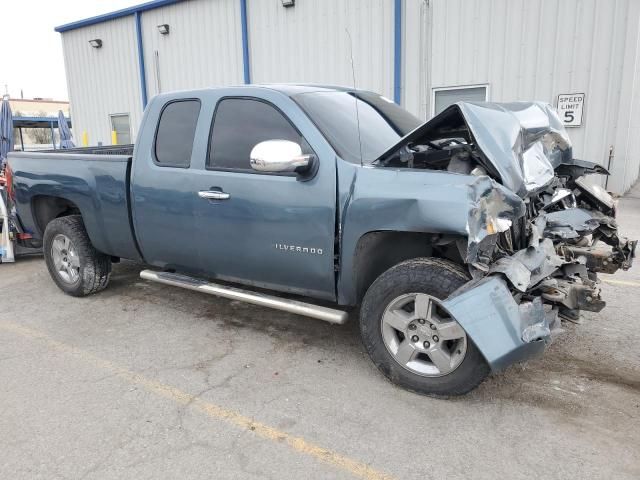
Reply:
x=293, y=306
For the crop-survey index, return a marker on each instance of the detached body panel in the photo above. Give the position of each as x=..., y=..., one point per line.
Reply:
x=497, y=324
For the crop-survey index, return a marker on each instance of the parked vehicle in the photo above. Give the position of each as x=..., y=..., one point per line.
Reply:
x=460, y=239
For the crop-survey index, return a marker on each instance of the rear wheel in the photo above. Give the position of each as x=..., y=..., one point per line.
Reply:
x=73, y=263
x=411, y=338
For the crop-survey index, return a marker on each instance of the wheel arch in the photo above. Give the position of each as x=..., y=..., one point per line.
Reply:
x=46, y=208
x=377, y=251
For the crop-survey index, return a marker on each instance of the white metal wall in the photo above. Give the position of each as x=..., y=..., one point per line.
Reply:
x=627, y=133
x=309, y=43
x=535, y=50
x=522, y=49
x=102, y=81
x=415, y=59
x=203, y=48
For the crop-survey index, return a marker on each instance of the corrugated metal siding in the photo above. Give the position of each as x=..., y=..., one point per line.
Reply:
x=415, y=73
x=102, y=81
x=309, y=42
x=537, y=49
x=523, y=49
x=626, y=161
x=203, y=48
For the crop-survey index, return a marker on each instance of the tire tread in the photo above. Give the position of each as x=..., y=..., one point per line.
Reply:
x=95, y=267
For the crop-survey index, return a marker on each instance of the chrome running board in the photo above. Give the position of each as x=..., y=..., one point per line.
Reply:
x=293, y=306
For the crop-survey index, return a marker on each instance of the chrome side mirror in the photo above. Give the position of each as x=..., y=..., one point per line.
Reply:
x=279, y=156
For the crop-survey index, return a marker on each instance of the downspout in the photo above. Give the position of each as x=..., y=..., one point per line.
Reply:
x=245, y=41
x=426, y=17
x=143, y=75
x=397, y=51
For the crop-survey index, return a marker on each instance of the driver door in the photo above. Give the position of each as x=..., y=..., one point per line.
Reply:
x=274, y=230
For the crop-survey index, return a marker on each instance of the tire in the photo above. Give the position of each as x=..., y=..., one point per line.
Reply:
x=76, y=267
x=391, y=300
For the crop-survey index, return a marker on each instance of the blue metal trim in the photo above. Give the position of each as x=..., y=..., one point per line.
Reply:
x=245, y=41
x=117, y=14
x=143, y=74
x=45, y=121
x=397, y=51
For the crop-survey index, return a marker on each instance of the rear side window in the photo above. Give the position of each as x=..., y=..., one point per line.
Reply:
x=176, y=131
x=239, y=125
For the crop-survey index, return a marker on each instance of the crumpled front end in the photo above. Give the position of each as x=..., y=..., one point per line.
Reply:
x=569, y=233
x=543, y=268
x=539, y=228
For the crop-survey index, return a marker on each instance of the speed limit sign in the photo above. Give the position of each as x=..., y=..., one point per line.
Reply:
x=570, y=107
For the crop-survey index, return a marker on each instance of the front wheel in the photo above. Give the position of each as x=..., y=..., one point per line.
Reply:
x=73, y=263
x=411, y=338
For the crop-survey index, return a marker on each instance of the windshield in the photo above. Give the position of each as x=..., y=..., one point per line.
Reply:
x=382, y=122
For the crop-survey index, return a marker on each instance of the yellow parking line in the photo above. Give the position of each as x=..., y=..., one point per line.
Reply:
x=213, y=411
x=621, y=282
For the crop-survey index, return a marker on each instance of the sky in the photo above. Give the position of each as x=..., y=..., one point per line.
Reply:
x=34, y=62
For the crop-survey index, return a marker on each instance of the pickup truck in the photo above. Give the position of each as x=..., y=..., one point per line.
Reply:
x=463, y=241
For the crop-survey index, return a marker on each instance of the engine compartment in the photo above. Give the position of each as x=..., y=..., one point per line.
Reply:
x=448, y=154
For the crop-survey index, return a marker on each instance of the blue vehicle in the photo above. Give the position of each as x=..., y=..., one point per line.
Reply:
x=463, y=240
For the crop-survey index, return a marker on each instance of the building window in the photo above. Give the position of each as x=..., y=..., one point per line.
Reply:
x=175, y=134
x=239, y=125
x=121, y=125
x=443, y=97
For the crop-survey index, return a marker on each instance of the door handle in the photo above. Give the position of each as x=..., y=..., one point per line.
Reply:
x=213, y=194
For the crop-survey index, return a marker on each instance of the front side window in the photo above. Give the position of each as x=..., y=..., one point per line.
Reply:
x=122, y=126
x=239, y=125
x=176, y=131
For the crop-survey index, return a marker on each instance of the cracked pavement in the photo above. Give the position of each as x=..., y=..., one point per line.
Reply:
x=575, y=413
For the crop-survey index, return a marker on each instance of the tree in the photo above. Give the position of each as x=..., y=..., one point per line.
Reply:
x=16, y=132
x=39, y=135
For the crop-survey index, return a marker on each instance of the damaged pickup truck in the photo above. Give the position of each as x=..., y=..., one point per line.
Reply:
x=464, y=240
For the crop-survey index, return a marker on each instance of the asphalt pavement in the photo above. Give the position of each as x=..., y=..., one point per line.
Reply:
x=145, y=381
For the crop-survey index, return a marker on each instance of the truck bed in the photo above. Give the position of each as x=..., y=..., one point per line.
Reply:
x=92, y=180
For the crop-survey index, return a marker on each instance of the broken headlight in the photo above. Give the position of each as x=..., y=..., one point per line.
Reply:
x=596, y=194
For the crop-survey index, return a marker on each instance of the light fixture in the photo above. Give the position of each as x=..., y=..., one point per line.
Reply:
x=95, y=43
x=163, y=29
x=288, y=3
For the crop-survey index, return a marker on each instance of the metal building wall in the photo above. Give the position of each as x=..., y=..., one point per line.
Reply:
x=202, y=49
x=522, y=49
x=309, y=42
x=102, y=81
x=416, y=33
x=535, y=50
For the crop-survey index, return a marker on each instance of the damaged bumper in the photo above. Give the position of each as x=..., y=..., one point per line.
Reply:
x=510, y=306
x=516, y=297
x=543, y=267
x=503, y=331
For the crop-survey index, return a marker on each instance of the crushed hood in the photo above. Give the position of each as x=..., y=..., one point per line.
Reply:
x=521, y=143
